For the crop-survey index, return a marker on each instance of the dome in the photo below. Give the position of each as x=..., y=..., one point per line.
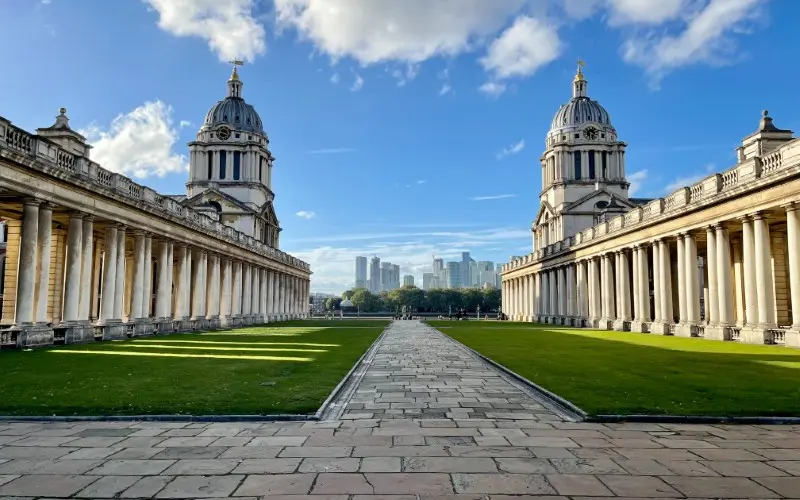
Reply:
x=233, y=110
x=236, y=113
x=580, y=109
x=346, y=303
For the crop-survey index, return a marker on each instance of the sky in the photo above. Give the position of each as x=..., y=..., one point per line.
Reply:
x=404, y=128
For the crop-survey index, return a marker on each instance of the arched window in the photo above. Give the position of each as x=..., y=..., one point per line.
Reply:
x=215, y=205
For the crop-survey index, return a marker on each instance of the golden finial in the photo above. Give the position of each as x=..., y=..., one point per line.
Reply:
x=579, y=75
x=235, y=74
x=63, y=111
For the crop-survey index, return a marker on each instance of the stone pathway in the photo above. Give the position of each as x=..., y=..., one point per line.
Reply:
x=442, y=447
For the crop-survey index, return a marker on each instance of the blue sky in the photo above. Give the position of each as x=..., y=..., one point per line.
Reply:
x=404, y=128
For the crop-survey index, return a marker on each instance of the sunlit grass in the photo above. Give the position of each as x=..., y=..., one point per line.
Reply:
x=226, y=372
x=628, y=373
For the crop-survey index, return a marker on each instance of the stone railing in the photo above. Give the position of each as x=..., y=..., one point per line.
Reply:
x=729, y=182
x=53, y=158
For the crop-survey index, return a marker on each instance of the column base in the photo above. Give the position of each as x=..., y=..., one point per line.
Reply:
x=33, y=335
x=640, y=327
x=755, y=335
x=111, y=329
x=685, y=330
x=605, y=324
x=622, y=325
x=661, y=328
x=214, y=323
x=78, y=333
x=717, y=332
x=164, y=326
x=793, y=337
x=142, y=327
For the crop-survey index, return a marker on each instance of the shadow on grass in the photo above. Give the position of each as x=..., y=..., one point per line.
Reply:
x=629, y=373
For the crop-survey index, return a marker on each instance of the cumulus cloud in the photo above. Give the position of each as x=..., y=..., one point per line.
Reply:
x=522, y=49
x=512, y=149
x=705, y=38
x=139, y=143
x=636, y=179
x=333, y=263
x=306, y=214
x=492, y=89
x=409, y=31
x=229, y=27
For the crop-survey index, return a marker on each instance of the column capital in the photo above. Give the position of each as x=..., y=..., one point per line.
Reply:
x=120, y=226
x=31, y=202
x=139, y=232
x=758, y=215
x=73, y=214
x=791, y=206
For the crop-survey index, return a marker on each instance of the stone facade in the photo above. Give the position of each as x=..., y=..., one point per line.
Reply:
x=92, y=255
x=719, y=259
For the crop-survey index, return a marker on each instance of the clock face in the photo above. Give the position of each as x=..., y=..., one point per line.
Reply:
x=590, y=133
x=224, y=133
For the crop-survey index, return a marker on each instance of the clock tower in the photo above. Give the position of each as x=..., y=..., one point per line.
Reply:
x=230, y=169
x=583, y=169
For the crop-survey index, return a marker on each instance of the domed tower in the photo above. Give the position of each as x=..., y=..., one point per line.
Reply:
x=583, y=168
x=230, y=169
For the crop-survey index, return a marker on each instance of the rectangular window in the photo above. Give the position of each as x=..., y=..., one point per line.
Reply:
x=591, y=165
x=210, y=157
x=260, y=166
x=236, y=165
x=578, y=167
x=605, y=165
x=223, y=160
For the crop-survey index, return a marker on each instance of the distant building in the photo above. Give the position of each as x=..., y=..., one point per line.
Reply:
x=361, y=272
x=427, y=281
x=438, y=265
x=408, y=280
x=454, y=275
x=464, y=269
x=375, y=275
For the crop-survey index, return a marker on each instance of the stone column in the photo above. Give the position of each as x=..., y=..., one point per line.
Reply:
x=276, y=293
x=764, y=280
x=665, y=276
x=609, y=288
x=637, y=292
x=44, y=235
x=692, y=283
x=197, y=286
x=644, y=284
x=625, y=286
x=712, y=306
x=269, y=293
x=147, y=287
x=164, y=286
x=213, y=296
x=72, y=279
x=537, y=296
x=119, y=285
x=236, y=292
x=659, y=294
x=24, y=311
x=562, y=292
x=681, y=281
x=255, y=306
x=723, y=275
x=749, y=264
x=225, y=303
x=87, y=252
x=137, y=296
x=554, y=291
x=793, y=241
x=109, y=274
x=247, y=292
x=591, y=279
x=545, y=294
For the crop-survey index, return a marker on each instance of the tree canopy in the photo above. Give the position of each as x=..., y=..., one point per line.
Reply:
x=417, y=300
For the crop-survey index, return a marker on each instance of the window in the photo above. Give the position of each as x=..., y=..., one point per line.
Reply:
x=577, y=136
x=210, y=157
x=216, y=206
x=236, y=165
x=605, y=165
x=591, y=164
x=223, y=160
x=578, y=168
x=260, y=166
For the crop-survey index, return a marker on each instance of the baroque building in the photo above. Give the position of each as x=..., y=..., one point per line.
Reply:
x=89, y=254
x=719, y=259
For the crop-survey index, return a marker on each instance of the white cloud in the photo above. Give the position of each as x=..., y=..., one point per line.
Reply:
x=645, y=11
x=335, y=78
x=493, y=197
x=184, y=123
x=512, y=149
x=306, y=214
x=358, y=84
x=523, y=48
x=492, y=89
x=705, y=39
x=688, y=180
x=330, y=151
x=636, y=179
x=229, y=27
x=139, y=143
x=421, y=181
x=445, y=89
x=410, y=31
x=333, y=264
x=403, y=77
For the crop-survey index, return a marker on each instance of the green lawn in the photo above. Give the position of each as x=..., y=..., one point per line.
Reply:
x=287, y=368
x=633, y=373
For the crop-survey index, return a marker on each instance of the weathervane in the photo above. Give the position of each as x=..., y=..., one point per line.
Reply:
x=579, y=75
x=236, y=62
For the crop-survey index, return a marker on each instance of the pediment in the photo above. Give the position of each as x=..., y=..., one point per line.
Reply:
x=545, y=213
x=267, y=213
x=227, y=202
x=589, y=202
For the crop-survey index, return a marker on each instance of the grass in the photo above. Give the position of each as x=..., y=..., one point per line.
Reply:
x=287, y=368
x=631, y=373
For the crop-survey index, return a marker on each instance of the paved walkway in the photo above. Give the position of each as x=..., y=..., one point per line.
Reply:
x=427, y=420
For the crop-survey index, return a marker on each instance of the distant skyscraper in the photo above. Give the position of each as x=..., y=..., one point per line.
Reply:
x=464, y=269
x=427, y=281
x=438, y=265
x=408, y=280
x=395, y=276
x=375, y=275
x=361, y=272
x=454, y=274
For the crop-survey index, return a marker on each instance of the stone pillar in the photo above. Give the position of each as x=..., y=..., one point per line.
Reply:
x=236, y=289
x=749, y=265
x=724, y=281
x=197, y=286
x=681, y=272
x=562, y=292
x=591, y=279
x=764, y=279
x=87, y=253
x=213, y=289
x=109, y=274
x=262, y=293
x=644, y=285
x=181, y=285
x=545, y=294
x=665, y=274
x=276, y=293
x=625, y=286
x=269, y=293
x=554, y=290
x=692, y=283
x=247, y=292
x=24, y=312
x=44, y=235
x=571, y=292
x=255, y=274
x=658, y=286
x=119, y=285
x=712, y=304
x=147, y=286
x=164, y=286
x=793, y=243
x=137, y=296
x=636, y=293
x=226, y=299
x=72, y=285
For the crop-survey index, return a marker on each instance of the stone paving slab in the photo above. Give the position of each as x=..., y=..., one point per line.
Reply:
x=461, y=431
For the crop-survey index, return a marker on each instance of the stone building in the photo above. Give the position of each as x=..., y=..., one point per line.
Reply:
x=91, y=255
x=719, y=259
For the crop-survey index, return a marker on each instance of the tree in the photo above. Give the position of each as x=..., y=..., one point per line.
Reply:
x=348, y=294
x=333, y=303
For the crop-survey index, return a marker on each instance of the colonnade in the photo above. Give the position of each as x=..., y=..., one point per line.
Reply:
x=731, y=280
x=100, y=279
